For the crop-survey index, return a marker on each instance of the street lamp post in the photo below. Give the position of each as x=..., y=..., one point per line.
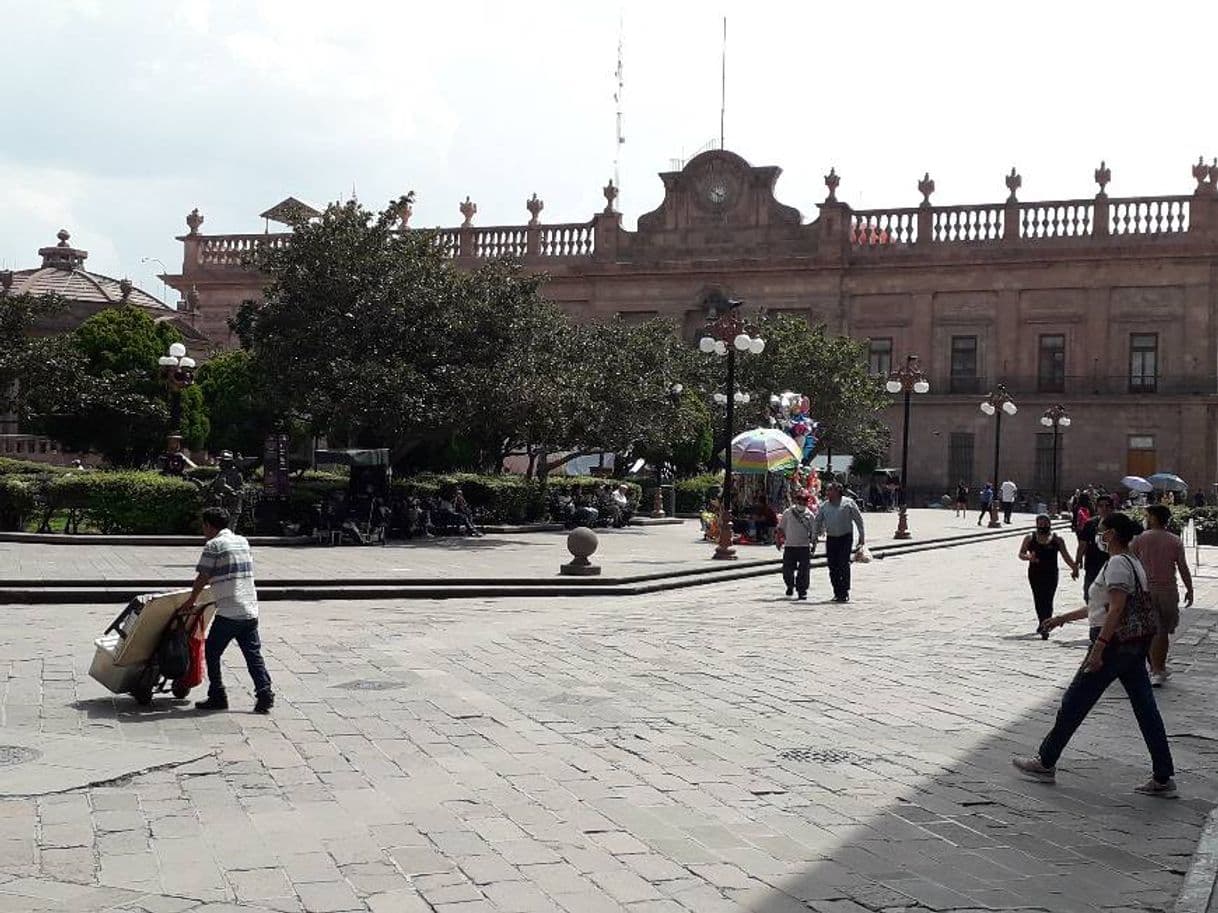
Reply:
x=178, y=371
x=164, y=273
x=1055, y=417
x=725, y=336
x=908, y=380
x=998, y=402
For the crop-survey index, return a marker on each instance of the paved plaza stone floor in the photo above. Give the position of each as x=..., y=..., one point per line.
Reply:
x=635, y=550
x=718, y=749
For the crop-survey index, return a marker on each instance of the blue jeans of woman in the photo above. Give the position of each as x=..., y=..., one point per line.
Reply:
x=1126, y=662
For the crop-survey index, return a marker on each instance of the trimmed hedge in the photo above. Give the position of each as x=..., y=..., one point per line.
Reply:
x=130, y=501
x=505, y=498
x=692, y=493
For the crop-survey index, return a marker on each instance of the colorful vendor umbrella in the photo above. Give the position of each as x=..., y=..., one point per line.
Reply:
x=1167, y=481
x=1137, y=483
x=764, y=450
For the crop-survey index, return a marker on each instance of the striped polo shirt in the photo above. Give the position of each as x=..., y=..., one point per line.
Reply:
x=229, y=566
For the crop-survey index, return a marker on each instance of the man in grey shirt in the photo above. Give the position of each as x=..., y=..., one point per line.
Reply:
x=836, y=520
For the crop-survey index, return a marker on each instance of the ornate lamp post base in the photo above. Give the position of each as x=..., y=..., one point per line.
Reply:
x=725, y=552
x=902, y=526
x=657, y=508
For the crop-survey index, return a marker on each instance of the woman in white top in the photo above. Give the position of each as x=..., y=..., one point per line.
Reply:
x=1114, y=592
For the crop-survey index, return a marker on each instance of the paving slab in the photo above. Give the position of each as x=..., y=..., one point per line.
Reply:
x=714, y=749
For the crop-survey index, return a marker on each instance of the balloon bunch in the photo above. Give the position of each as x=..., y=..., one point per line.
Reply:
x=789, y=411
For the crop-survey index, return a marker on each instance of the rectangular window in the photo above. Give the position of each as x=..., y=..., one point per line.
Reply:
x=1143, y=362
x=1042, y=476
x=879, y=357
x=1140, y=456
x=964, y=365
x=960, y=459
x=1051, y=364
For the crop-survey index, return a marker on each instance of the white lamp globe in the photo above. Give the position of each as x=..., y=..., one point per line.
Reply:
x=1046, y=421
x=746, y=398
x=166, y=361
x=987, y=408
x=720, y=398
x=177, y=350
x=186, y=362
x=1009, y=408
x=921, y=386
x=720, y=347
x=678, y=389
x=757, y=346
x=775, y=400
x=743, y=341
x=893, y=386
x=1064, y=421
x=706, y=344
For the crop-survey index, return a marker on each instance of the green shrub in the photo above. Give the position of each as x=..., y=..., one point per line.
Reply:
x=129, y=501
x=692, y=493
x=9, y=466
x=1206, y=519
x=17, y=502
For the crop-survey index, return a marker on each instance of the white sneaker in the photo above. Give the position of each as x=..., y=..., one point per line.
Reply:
x=1157, y=679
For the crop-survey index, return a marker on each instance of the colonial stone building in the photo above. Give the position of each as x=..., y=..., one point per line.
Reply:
x=1105, y=305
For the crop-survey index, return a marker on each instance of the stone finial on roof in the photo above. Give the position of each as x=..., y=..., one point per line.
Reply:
x=1103, y=175
x=193, y=220
x=1013, y=182
x=926, y=187
x=468, y=209
x=63, y=255
x=832, y=180
x=1201, y=172
x=611, y=192
x=124, y=288
x=534, y=206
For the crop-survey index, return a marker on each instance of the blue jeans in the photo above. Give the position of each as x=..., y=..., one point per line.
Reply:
x=245, y=632
x=1126, y=662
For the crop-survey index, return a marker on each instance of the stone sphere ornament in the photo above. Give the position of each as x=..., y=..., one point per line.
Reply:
x=581, y=543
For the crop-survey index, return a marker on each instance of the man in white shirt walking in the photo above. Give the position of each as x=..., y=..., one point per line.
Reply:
x=795, y=536
x=1009, y=491
x=837, y=519
x=227, y=565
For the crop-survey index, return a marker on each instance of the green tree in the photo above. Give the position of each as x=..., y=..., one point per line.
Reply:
x=226, y=384
x=831, y=371
x=19, y=349
x=99, y=388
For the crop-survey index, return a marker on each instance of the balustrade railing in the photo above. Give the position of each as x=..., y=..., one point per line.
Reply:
x=448, y=240
x=500, y=242
x=567, y=240
x=967, y=223
x=1066, y=219
x=1150, y=216
x=876, y=227
x=235, y=250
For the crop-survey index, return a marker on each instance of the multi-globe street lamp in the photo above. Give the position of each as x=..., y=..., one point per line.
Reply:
x=725, y=337
x=998, y=402
x=657, y=506
x=178, y=372
x=1055, y=417
x=907, y=380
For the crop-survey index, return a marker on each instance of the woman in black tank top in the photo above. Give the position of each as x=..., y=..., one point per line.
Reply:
x=1040, y=550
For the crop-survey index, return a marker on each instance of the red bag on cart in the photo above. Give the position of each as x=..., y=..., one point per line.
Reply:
x=194, y=672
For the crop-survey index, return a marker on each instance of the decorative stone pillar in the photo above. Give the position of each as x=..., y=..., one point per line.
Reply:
x=926, y=218
x=465, y=235
x=834, y=223
x=1100, y=227
x=1010, y=228
x=533, y=231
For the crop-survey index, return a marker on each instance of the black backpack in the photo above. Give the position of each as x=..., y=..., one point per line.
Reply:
x=173, y=653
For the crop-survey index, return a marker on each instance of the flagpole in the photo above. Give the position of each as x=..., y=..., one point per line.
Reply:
x=723, y=85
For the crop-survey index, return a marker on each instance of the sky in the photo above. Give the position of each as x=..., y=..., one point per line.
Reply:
x=120, y=116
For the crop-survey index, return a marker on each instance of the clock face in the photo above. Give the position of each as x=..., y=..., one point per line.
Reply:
x=717, y=192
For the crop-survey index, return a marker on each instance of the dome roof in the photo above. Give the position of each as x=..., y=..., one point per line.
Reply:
x=61, y=274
